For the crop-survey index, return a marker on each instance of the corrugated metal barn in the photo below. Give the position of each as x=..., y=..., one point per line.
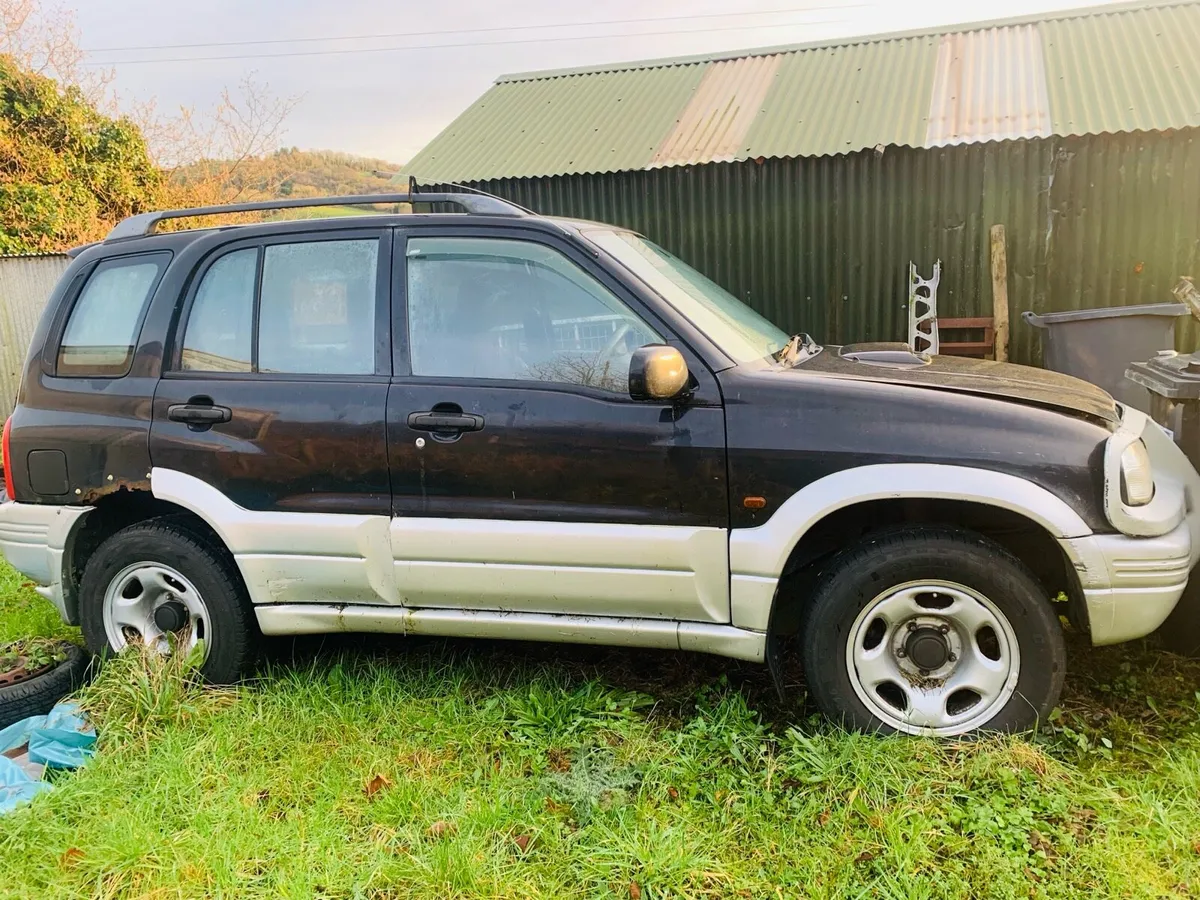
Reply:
x=804, y=178
x=26, y=283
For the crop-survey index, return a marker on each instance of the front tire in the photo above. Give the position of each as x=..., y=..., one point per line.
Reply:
x=932, y=630
x=159, y=578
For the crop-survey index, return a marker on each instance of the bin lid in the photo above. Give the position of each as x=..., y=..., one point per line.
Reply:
x=1175, y=376
x=1111, y=312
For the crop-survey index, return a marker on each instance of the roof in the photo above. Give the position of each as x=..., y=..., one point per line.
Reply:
x=1120, y=67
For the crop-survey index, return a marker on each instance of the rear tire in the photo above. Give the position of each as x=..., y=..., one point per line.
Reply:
x=931, y=630
x=144, y=567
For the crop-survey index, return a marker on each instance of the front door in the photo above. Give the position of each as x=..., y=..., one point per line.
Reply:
x=524, y=477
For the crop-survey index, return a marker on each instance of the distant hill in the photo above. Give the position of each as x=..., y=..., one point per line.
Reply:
x=290, y=173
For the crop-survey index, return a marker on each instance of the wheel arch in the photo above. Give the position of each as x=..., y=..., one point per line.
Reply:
x=106, y=517
x=769, y=564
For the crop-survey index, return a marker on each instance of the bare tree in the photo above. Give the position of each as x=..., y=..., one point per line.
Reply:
x=216, y=156
x=45, y=40
x=222, y=147
x=580, y=368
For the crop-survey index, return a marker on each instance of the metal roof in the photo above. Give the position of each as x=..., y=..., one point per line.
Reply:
x=1121, y=67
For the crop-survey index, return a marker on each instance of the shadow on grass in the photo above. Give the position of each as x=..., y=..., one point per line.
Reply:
x=1135, y=682
x=673, y=678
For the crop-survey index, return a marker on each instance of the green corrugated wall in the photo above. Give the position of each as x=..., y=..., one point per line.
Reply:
x=823, y=244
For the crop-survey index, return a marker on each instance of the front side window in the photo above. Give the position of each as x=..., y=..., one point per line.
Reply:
x=101, y=333
x=510, y=309
x=315, y=304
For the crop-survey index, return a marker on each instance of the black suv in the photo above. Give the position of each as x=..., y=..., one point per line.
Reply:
x=491, y=423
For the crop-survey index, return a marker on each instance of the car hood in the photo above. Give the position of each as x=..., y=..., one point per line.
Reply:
x=897, y=364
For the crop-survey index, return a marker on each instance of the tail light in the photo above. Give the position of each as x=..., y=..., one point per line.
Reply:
x=7, y=458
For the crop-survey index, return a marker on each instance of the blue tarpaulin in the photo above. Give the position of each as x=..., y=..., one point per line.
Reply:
x=61, y=739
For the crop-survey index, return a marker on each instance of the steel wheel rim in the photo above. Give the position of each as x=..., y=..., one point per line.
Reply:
x=980, y=658
x=136, y=592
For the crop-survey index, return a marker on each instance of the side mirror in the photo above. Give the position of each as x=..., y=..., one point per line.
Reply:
x=657, y=372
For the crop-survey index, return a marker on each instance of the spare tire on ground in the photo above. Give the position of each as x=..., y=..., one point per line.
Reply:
x=36, y=696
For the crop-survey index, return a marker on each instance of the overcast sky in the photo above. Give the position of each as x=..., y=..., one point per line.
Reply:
x=390, y=102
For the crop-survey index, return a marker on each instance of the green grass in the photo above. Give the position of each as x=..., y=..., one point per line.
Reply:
x=23, y=613
x=375, y=769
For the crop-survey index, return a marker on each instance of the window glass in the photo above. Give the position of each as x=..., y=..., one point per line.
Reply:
x=317, y=310
x=737, y=329
x=484, y=308
x=220, y=325
x=102, y=332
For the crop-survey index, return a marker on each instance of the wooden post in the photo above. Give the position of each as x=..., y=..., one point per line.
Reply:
x=1000, y=292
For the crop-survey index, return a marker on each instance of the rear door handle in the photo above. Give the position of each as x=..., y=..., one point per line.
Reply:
x=444, y=421
x=205, y=415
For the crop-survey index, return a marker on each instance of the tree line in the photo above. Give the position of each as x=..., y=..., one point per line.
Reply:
x=74, y=161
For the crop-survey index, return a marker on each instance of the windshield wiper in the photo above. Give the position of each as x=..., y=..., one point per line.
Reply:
x=798, y=348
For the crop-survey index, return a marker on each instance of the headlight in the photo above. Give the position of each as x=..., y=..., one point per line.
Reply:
x=1137, y=481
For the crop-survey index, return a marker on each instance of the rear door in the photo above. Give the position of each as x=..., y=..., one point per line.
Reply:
x=274, y=394
x=524, y=476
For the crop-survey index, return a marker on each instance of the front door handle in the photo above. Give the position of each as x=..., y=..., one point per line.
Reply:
x=444, y=422
x=199, y=414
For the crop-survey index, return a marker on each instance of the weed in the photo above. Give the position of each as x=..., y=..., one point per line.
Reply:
x=31, y=654
x=595, y=780
x=562, y=715
x=141, y=692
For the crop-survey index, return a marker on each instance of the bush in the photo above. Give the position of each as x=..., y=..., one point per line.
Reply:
x=67, y=172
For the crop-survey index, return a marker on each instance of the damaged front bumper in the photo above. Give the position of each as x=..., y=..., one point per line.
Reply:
x=1131, y=581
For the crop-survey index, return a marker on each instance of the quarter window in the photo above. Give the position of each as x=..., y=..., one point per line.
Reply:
x=220, y=330
x=101, y=333
x=315, y=303
x=486, y=308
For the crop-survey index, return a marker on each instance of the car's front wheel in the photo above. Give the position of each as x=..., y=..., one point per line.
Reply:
x=171, y=589
x=932, y=630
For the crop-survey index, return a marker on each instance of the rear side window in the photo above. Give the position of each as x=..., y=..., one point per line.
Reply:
x=102, y=331
x=317, y=312
x=314, y=304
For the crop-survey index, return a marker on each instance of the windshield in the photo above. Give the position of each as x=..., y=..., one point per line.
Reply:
x=738, y=330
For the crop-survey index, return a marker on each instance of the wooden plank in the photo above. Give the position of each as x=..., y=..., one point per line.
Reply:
x=1000, y=291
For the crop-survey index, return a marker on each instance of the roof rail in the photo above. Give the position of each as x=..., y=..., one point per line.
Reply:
x=476, y=204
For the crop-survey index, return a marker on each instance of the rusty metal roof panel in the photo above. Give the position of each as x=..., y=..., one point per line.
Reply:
x=842, y=99
x=1115, y=68
x=1136, y=69
x=989, y=85
x=713, y=125
x=604, y=122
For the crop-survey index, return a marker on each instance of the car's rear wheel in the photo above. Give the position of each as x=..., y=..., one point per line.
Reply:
x=172, y=589
x=932, y=630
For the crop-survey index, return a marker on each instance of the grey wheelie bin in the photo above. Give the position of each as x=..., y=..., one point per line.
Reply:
x=1173, y=381
x=1098, y=345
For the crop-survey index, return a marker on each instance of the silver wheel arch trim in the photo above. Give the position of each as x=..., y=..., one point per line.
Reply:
x=336, y=535
x=249, y=532
x=757, y=556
